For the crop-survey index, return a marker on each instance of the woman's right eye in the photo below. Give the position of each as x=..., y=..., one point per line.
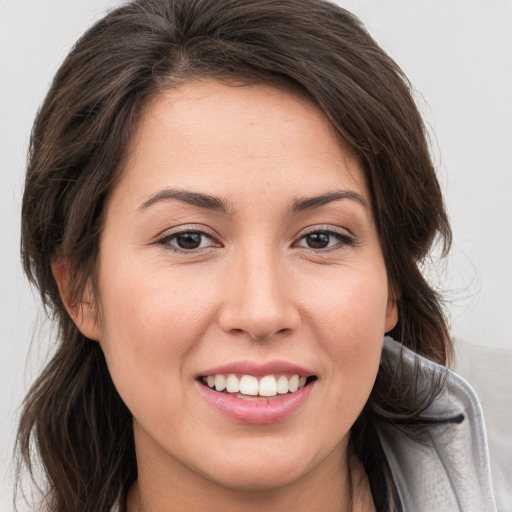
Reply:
x=188, y=241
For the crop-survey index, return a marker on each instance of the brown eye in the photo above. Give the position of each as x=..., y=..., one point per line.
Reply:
x=191, y=240
x=324, y=239
x=188, y=241
x=318, y=240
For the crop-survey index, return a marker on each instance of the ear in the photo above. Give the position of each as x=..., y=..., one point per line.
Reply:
x=83, y=312
x=391, y=313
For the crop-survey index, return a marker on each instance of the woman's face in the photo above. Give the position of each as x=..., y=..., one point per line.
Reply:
x=240, y=242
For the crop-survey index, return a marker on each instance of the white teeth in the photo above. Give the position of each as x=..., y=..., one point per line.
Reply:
x=249, y=385
x=232, y=384
x=220, y=383
x=282, y=385
x=268, y=386
x=293, y=383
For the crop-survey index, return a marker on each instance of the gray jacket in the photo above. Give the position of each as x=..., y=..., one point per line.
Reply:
x=451, y=472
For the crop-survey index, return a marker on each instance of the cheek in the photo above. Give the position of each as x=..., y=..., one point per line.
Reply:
x=153, y=307
x=351, y=305
x=351, y=322
x=151, y=322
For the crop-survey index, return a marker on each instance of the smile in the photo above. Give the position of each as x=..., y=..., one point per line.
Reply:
x=246, y=386
x=257, y=393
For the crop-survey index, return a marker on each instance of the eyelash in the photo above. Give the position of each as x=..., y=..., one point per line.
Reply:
x=167, y=240
x=342, y=238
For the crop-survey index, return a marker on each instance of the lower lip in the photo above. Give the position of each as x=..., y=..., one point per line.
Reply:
x=256, y=412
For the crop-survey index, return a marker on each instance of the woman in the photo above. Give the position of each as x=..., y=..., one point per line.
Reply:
x=225, y=208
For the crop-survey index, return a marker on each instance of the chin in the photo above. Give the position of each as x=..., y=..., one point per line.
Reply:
x=269, y=467
x=266, y=477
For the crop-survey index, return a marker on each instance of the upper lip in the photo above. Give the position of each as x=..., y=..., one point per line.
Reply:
x=258, y=369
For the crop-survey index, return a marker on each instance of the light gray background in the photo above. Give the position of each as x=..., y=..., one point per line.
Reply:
x=458, y=55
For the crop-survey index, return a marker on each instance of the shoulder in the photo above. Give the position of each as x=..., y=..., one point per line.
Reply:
x=449, y=470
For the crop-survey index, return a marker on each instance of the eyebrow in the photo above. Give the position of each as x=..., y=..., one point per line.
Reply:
x=310, y=203
x=221, y=205
x=193, y=198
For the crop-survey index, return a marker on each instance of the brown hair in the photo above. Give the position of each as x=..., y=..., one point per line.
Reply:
x=73, y=414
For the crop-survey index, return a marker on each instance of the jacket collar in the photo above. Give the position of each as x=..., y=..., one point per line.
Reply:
x=449, y=470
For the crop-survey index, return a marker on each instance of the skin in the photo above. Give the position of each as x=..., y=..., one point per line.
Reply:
x=253, y=290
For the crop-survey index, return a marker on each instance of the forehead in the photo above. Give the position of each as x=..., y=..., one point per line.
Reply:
x=223, y=135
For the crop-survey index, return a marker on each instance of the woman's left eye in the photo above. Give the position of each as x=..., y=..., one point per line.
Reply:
x=186, y=241
x=323, y=239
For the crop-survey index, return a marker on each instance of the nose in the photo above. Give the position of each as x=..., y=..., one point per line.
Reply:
x=259, y=300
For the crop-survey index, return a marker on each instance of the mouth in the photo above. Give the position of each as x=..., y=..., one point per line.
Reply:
x=251, y=387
